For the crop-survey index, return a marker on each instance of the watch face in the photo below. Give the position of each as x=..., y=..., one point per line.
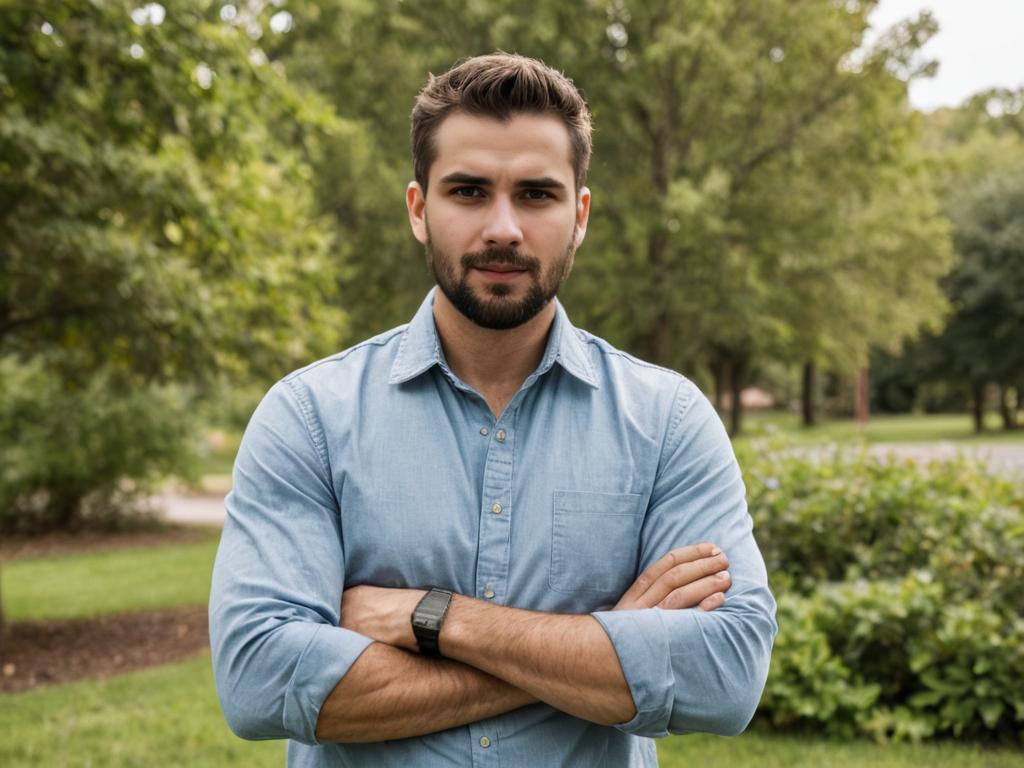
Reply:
x=429, y=614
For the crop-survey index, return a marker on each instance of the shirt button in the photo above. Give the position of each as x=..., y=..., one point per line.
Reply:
x=485, y=742
x=496, y=508
x=488, y=593
x=485, y=431
x=500, y=435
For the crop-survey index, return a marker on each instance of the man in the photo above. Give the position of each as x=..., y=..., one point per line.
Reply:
x=526, y=469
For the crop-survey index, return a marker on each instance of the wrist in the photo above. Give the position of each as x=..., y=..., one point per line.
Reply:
x=428, y=619
x=402, y=635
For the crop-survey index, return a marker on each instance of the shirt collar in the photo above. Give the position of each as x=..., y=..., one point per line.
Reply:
x=420, y=347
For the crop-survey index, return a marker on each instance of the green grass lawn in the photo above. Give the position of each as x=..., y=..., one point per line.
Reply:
x=169, y=716
x=109, y=582
x=921, y=428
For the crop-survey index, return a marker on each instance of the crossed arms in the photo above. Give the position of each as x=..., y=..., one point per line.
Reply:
x=498, y=658
x=281, y=645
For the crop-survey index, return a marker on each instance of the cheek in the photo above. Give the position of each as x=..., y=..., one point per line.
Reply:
x=450, y=227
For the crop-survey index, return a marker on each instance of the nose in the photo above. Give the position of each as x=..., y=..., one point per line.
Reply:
x=502, y=227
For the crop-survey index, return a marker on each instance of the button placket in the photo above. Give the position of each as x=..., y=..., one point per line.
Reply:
x=496, y=514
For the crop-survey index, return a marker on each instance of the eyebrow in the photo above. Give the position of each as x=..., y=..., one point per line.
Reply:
x=543, y=182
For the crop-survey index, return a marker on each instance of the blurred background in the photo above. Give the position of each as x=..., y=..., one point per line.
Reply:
x=813, y=208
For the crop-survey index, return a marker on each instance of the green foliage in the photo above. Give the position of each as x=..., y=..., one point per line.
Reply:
x=900, y=590
x=984, y=336
x=84, y=454
x=978, y=155
x=157, y=227
x=152, y=218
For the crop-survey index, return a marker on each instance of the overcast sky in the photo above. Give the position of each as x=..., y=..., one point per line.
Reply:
x=980, y=44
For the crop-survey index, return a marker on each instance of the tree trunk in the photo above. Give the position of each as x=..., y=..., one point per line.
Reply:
x=661, y=340
x=3, y=629
x=1008, y=407
x=861, y=405
x=736, y=374
x=807, y=394
x=718, y=372
x=978, y=407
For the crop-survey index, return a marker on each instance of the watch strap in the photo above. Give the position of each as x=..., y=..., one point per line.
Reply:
x=427, y=619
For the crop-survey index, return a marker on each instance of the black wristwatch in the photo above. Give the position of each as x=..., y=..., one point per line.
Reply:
x=427, y=620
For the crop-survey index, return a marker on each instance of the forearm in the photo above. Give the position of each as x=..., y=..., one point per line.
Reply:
x=389, y=693
x=566, y=661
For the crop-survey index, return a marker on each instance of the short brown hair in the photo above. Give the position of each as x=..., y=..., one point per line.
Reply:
x=499, y=85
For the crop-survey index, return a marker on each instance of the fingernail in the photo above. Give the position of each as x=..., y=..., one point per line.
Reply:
x=723, y=575
x=715, y=551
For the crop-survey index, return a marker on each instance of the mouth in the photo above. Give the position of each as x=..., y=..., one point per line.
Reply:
x=500, y=272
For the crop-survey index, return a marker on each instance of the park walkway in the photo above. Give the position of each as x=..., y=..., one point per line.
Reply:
x=208, y=508
x=1007, y=458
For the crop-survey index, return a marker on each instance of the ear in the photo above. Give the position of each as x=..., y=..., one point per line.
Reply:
x=416, y=203
x=582, y=216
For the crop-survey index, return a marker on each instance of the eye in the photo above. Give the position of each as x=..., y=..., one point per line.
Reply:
x=466, y=192
x=537, y=194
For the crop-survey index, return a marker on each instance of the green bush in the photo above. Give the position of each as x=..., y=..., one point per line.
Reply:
x=900, y=590
x=84, y=453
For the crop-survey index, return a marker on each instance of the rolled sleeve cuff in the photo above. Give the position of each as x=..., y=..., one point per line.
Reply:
x=641, y=642
x=323, y=662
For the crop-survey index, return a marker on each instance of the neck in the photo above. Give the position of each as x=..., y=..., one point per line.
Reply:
x=494, y=363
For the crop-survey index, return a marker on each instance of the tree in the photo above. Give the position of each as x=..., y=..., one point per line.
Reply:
x=978, y=152
x=156, y=230
x=983, y=337
x=752, y=139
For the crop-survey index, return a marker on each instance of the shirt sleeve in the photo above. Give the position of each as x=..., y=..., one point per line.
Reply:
x=277, y=582
x=690, y=670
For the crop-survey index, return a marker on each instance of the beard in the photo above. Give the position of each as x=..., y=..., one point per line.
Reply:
x=497, y=310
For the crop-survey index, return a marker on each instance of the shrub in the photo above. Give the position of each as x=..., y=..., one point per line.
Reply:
x=86, y=453
x=900, y=590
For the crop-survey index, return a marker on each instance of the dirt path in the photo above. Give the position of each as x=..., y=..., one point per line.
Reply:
x=191, y=509
x=1000, y=457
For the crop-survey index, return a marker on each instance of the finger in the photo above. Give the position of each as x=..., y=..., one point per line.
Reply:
x=696, y=592
x=666, y=562
x=681, y=575
x=711, y=602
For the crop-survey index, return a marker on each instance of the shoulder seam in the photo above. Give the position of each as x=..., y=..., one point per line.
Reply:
x=377, y=341
x=594, y=341
x=313, y=429
x=682, y=401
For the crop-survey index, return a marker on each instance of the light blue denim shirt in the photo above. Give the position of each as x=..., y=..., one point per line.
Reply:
x=379, y=466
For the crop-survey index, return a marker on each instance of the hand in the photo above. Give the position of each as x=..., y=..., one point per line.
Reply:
x=684, y=578
x=382, y=614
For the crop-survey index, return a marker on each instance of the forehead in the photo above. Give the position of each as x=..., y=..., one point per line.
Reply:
x=526, y=146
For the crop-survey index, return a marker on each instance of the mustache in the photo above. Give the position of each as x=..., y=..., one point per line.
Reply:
x=508, y=256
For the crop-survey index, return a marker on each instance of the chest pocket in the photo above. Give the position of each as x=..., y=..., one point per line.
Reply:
x=595, y=541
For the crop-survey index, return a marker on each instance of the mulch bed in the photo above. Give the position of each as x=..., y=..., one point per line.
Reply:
x=80, y=542
x=47, y=652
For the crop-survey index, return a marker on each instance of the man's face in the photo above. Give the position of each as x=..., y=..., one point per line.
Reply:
x=501, y=219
